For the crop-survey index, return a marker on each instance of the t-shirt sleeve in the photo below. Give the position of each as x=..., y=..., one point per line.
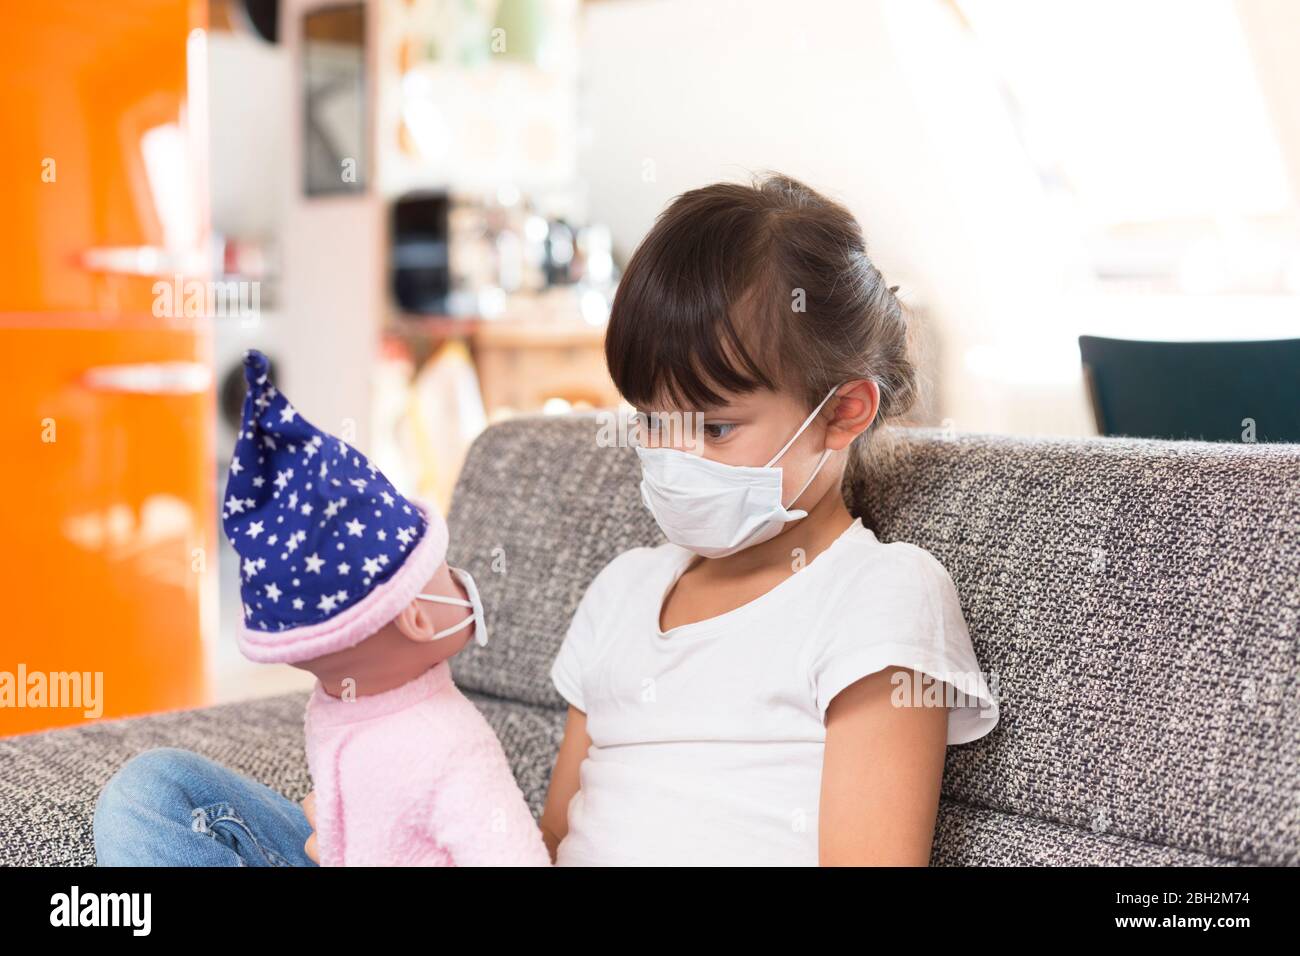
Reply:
x=903, y=611
x=569, y=668
x=566, y=670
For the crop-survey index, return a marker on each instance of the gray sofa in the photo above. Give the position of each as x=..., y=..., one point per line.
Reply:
x=1136, y=602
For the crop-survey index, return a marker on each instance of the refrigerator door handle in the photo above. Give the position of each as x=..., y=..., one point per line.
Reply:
x=150, y=378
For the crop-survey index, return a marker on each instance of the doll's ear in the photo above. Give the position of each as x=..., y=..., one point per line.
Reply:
x=416, y=623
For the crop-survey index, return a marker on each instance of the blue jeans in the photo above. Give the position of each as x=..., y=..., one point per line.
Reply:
x=171, y=807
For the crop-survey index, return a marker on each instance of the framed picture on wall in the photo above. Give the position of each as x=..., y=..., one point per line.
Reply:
x=334, y=152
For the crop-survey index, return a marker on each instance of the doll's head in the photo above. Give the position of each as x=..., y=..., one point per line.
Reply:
x=423, y=633
x=336, y=566
x=744, y=307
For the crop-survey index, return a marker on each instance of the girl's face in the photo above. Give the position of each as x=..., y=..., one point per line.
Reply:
x=746, y=429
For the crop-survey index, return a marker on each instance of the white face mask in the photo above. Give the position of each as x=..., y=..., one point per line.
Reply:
x=716, y=509
x=475, y=616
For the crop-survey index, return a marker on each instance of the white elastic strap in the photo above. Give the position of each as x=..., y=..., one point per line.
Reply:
x=459, y=627
x=448, y=600
x=799, y=432
x=821, y=461
x=445, y=600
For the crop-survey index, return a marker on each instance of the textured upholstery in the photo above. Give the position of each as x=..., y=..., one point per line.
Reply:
x=1135, y=605
x=49, y=781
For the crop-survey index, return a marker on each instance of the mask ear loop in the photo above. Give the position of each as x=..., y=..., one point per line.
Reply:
x=438, y=598
x=806, y=421
x=820, y=461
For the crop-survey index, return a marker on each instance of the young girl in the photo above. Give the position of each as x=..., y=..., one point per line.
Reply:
x=773, y=685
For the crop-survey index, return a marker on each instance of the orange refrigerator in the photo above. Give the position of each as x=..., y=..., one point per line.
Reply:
x=107, y=500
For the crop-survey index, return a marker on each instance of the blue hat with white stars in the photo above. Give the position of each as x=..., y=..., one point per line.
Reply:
x=329, y=552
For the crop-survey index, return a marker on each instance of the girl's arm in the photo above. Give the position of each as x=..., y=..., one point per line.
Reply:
x=881, y=774
x=564, y=780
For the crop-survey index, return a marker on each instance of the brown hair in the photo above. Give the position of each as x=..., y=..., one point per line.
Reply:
x=760, y=251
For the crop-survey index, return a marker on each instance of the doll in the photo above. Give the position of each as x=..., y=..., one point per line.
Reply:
x=344, y=577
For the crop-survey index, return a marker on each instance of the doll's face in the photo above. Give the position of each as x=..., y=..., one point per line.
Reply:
x=405, y=646
x=419, y=622
x=422, y=620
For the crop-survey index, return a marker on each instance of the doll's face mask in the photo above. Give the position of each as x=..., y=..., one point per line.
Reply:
x=475, y=616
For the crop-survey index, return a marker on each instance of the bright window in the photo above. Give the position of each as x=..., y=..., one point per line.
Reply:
x=1149, y=119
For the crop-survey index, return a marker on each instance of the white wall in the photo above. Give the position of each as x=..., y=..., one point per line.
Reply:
x=332, y=257
x=679, y=93
x=248, y=133
x=1272, y=31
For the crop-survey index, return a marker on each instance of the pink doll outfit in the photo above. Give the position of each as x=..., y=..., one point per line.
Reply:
x=415, y=776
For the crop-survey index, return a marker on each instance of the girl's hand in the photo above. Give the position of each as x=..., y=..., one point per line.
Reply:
x=309, y=808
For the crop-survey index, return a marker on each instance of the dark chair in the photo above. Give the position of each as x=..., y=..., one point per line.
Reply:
x=1197, y=390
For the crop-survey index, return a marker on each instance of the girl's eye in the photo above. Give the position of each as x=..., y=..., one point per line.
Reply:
x=716, y=431
x=651, y=428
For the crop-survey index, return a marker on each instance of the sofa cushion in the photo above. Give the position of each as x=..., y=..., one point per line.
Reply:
x=1134, y=602
x=539, y=508
x=47, y=799
x=52, y=779
x=977, y=836
x=1137, y=604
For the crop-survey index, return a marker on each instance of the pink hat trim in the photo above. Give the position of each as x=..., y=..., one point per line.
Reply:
x=364, y=618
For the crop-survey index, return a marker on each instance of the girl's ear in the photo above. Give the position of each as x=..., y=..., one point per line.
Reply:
x=853, y=409
x=416, y=623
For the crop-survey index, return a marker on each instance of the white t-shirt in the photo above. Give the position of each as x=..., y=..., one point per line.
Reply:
x=707, y=739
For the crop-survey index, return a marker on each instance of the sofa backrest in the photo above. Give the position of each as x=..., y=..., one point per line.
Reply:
x=1135, y=605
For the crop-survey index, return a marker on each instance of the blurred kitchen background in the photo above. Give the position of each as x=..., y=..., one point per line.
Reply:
x=425, y=205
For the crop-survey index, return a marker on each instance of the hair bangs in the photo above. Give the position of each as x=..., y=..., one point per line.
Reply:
x=689, y=322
